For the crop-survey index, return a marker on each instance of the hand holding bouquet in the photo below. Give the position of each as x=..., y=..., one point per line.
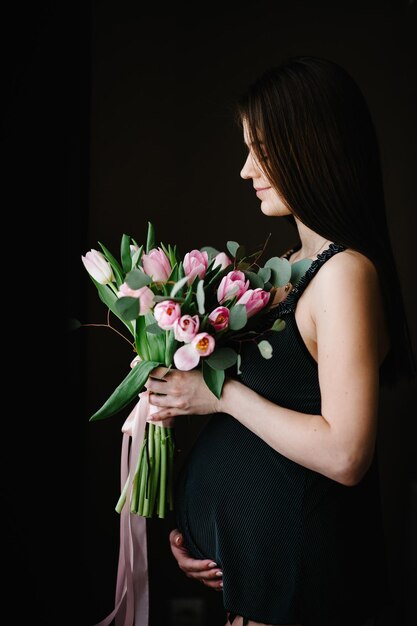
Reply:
x=188, y=312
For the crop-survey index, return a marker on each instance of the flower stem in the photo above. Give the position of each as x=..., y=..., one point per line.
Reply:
x=143, y=476
x=155, y=469
x=122, y=499
x=163, y=474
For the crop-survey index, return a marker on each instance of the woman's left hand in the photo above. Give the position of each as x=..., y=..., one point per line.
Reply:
x=183, y=393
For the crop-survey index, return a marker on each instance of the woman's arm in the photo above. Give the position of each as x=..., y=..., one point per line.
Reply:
x=345, y=308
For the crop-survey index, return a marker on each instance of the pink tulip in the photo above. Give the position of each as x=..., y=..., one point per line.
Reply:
x=145, y=295
x=219, y=318
x=156, y=264
x=187, y=357
x=233, y=284
x=195, y=264
x=254, y=300
x=166, y=313
x=186, y=328
x=98, y=267
x=221, y=259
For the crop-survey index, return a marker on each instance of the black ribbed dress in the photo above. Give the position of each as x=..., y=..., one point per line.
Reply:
x=294, y=546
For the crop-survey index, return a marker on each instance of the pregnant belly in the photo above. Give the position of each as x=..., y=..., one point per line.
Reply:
x=234, y=485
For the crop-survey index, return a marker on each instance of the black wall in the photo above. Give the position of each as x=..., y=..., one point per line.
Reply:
x=147, y=131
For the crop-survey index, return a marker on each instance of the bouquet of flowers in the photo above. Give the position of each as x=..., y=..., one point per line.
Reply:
x=184, y=311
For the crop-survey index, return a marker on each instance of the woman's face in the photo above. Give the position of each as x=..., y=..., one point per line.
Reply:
x=271, y=201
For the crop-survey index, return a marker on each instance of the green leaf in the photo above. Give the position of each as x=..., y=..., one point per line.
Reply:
x=156, y=342
x=73, y=324
x=232, y=246
x=109, y=298
x=167, y=297
x=278, y=325
x=214, y=379
x=238, y=317
x=298, y=269
x=238, y=364
x=150, y=239
x=178, y=285
x=141, y=338
x=117, y=270
x=222, y=358
x=125, y=255
x=137, y=279
x=254, y=279
x=127, y=308
x=200, y=297
x=130, y=387
x=265, y=273
x=155, y=329
x=170, y=347
x=240, y=253
x=280, y=271
x=211, y=252
x=265, y=349
x=137, y=256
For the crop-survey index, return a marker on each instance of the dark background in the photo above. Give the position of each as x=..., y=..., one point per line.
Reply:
x=117, y=116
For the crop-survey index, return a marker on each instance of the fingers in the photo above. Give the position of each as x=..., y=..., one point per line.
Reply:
x=202, y=570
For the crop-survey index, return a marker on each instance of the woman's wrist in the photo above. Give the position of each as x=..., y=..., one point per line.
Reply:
x=225, y=401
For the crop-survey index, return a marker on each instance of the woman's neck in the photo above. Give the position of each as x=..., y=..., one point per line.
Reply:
x=311, y=243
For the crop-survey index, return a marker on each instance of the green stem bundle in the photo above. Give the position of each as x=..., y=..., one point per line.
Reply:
x=152, y=483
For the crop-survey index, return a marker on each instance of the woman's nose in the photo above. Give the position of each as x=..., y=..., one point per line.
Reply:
x=248, y=169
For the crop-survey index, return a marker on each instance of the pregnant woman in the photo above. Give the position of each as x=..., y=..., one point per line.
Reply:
x=278, y=504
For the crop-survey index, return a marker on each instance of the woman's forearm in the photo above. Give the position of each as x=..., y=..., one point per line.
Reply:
x=306, y=439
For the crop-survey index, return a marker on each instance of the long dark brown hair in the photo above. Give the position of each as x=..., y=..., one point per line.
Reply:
x=312, y=121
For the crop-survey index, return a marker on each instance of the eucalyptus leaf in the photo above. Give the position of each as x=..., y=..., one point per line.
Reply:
x=222, y=358
x=254, y=279
x=240, y=253
x=211, y=252
x=238, y=317
x=298, y=269
x=265, y=273
x=167, y=297
x=136, y=279
x=232, y=246
x=178, y=285
x=200, y=297
x=125, y=255
x=280, y=271
x=130, y=387
x=127, y=308
x=214, y=379
x=155, y=329
x=265, y=349
x=238, y=364
x=278, y=325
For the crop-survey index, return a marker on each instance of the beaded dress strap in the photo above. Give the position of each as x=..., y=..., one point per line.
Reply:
x=288, y=305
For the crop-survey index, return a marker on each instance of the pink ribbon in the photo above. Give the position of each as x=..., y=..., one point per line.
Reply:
x=132, y=588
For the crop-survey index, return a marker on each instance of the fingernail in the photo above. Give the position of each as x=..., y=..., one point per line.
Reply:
x=212, y=564
x=219, y=573
x=221, y=584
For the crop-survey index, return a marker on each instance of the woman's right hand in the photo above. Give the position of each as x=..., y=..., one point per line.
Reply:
x=205, y=570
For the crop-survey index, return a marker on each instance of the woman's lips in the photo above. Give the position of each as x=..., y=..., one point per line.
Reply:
x=260, y=189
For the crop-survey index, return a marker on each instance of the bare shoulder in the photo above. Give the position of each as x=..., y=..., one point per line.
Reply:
x=347, y=273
